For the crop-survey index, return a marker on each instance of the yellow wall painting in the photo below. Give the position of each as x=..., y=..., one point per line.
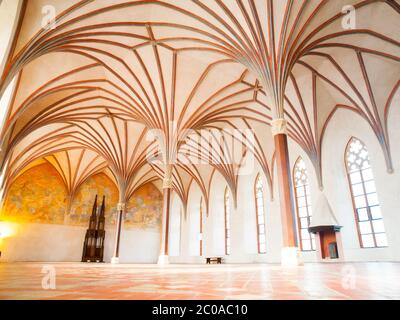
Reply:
x=81, y=208
x=37, y=196
x=144, y=208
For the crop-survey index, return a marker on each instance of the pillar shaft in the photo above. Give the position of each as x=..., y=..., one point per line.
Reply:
x=120, y=208
x=279, y=132
x=285, y=191
x=165, y=221
x=118, y=234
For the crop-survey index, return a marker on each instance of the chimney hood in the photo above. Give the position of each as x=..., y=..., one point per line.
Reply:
x=323, y=218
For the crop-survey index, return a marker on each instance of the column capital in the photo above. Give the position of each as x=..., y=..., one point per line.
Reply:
x=167, y=181
x=278, y=126
x=121, y=206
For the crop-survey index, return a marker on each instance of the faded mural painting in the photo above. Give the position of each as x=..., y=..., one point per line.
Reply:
x=144, y=208
x=39, y=196
x=81, y=208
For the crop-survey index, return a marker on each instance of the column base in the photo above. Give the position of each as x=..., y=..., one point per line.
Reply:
x=290, y=257
x=114, y=260
x=163, y=260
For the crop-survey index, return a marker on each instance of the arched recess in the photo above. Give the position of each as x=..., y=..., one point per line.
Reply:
x=10, y=15
x=193, y=221
x=216, y=235
x=337, y=189
x=144, y=208
x=244, y=222
x=36, y=196
x=303, y=205
x=259, y=200
x=227, y=221
x=10, y=11
x=101, y=185
x=175, y=227
x=5, y=102
x=367, y=209
x=352, y=113
x=392, y=118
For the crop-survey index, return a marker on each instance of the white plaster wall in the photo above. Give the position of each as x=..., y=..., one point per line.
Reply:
x=193, y=220
x=243, y=224
x=136, y=246
x=185, y=234
x=9, y=10
x=246, y=219
x=337, y=189
x=53, y=243
x=175, y=227
x=216, y=216
x=48, y=242
x=342, y=127
x=9, y=13
x=188, y=246
x=43, y=242
x=273, y=223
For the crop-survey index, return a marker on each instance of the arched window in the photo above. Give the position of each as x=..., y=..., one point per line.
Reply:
x=5, y=101
x=9, y=17
x=365, y=199
x=227, y=212
x=259, y=198
x=201, y=227
x=303, y=205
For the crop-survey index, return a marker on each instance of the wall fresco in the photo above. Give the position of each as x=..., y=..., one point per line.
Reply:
x=144, y=208
x=81, y=208
x=37, y=196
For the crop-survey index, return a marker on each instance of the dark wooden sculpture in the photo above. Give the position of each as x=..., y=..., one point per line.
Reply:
x=93, y=247
x=100, y=232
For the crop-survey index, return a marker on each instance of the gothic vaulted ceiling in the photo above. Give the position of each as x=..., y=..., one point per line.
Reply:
x=107, y=74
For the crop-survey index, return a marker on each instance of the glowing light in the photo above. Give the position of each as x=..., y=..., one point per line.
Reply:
x=7, y=230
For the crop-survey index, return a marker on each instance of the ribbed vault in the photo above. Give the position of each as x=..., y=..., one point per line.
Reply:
x=111, y=74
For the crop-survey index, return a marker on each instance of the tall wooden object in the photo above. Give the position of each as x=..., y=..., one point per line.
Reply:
x=93, y=247
x=100, y=232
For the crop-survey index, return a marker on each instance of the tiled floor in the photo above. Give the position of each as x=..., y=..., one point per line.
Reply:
x=312, y=281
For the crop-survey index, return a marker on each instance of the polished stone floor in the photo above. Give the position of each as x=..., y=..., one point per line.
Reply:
x=173, y=282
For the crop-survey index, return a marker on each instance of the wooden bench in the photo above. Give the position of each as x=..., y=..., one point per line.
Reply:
x=217, y=260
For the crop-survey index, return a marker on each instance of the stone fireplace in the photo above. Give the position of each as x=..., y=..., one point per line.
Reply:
x=327, y=232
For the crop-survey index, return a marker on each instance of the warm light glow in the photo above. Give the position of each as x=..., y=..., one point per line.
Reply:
x=7, y=230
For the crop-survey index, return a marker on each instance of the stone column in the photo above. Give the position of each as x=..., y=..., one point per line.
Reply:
x=120, y=209
x=290, y=253
x=167, y=188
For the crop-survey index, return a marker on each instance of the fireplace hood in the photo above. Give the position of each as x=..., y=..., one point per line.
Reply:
x=323, y=218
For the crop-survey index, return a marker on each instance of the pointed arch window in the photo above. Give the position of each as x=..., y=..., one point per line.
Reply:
x=227, y=213
x=367, y=210
x=260, y=217
x=201, y=227
x=303, y=205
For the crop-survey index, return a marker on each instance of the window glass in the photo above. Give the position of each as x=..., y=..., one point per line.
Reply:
x=303, y=204
x=259, y=193
x=227, y=222
x=368, y=213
